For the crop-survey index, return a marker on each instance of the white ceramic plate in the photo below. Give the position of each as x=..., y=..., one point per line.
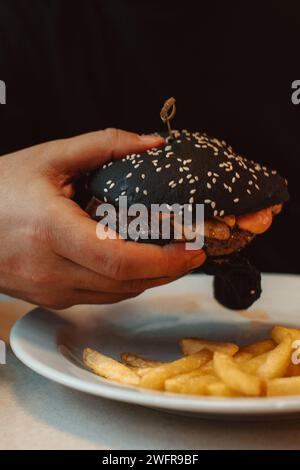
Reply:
x=52, y=343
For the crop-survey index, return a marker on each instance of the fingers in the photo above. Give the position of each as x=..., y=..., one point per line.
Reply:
x=88, y=151
x=73, y=236
x=84, y=279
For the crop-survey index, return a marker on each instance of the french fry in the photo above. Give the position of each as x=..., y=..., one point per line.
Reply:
x=277, y=360
x=156, y=377
x=207, y=369
x=191, y=383
x=251, y=366
x=109, y=368
x=242, y=356
x=293, y=370
x=133, y=360
x=219, y=389
x=260, y=347
x=193, y=345
x=283, y=386
x=279, y=333
x=234, y=377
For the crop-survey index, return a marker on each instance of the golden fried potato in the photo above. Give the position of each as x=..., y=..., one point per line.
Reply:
x=277, y=360
x=234, y=377
x=191, y=383
x=133, y=360
x=283, y=386
x=156, y=377
x=259, y=347
x=109, y=368
x=193, y=345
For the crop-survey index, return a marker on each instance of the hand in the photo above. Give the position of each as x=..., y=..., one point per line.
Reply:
x=49, y=252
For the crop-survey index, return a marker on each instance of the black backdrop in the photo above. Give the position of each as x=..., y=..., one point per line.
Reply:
x=75, y=66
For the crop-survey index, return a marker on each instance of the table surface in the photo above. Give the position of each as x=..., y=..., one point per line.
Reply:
x=36, y=413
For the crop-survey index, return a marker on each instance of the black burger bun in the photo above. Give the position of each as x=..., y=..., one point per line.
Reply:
x=191, y=168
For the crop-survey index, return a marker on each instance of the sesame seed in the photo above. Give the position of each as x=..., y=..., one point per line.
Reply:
x=109, y=182
x=168, y=165
x=274, y=172
x=250, y=182
x=186, y=168
x=237, y=175
x=196, y=178
x=137, y=189
x=169, y=154
x=105, y=199
x=181, y=169
x=208, y=185
x=191, y=200
x=129, y=175
x=222, y=213
x=137, y=166
x=233, y=179
x=104, y=166
x=248, y=191
x=257, y=187
x=158, y=170
x=192, y=181
x=207, y=201
x=110, y=164
x=143, y=176
x=171, y=183
x=180, y=181
x=213, y=205
x=189, y=176
x=193, y=191
x=168, y=148
x=214, y=180
x=266, y=173
x=123, y=193
x=112, y=185
x=105, y=190
x=209, y=173
x=145, y=192
x=236, y=200
x=174, y=185
x=215, y=213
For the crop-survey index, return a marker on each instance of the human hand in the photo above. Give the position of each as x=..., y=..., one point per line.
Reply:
x=49, y=252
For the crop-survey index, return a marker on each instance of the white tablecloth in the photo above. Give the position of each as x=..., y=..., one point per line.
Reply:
x=36, y=413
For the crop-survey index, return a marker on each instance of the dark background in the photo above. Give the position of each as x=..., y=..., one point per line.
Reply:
x=76, y=66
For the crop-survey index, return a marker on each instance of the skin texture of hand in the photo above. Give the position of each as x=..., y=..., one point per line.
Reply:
x=49, y=252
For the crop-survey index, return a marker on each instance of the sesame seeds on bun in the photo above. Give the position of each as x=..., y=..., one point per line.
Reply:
x=191, y=168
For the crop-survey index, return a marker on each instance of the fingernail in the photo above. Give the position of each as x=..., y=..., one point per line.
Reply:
x=197, y=260
x=151, y=138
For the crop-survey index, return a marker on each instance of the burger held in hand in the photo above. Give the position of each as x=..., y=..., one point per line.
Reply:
x=240, y=200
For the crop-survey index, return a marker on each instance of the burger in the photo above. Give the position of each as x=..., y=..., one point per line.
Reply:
x=240, y=200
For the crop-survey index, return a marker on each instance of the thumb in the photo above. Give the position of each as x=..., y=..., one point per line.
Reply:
x=88, y=151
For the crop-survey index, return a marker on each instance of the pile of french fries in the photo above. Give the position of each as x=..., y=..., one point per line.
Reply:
x=210, y=368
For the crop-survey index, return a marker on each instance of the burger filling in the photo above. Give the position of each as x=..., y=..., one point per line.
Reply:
x=222, y=235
